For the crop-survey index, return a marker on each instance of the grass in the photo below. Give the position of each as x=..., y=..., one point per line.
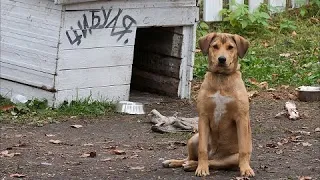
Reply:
x=287, y=53
x=37, y=111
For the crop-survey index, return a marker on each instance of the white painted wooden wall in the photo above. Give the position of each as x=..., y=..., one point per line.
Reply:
x=211, y=8
x=29, y=46
x=37, y=54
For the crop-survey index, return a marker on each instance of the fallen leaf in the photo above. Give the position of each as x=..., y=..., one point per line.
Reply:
x=106, y=159
x=7, y=107
x=285, y=86
x=285, y=54
x=272, y=145
x=50, y=135
x=6, y=153
x=137, y=168
x=76, y=126
x=89, y=144
x=119, y=152
x=252, y=94
x=55, y=141
x=305, y=178
x=46, y=164
x=292, y=97
x=263, y=85
x=306, y=144
x=198, y=50
x=17, y=175
x=241, y=178
x=317, y=129
x=302, y=132
x=90, y=154
x=271, y=89
x=279, y=151
x=253, y=81
x=179, y=143
x=294, y=33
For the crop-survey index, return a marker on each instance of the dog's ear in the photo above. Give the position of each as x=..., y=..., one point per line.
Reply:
x=204, y=42
x=242, y=45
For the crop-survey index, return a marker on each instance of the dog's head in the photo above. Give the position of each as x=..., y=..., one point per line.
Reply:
x=223, y=51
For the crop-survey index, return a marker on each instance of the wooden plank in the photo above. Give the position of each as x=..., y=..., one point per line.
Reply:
x=28, y=60
x=254, y=4
x=125, y=18
x=93, y=77
x=36, y=3
x=96, y=57
x=233, y=6
x=50, y=40
x=76, y=5
x=28, y=42
x=26, y=76
x=108, y=93
x=49, y=16
x=186, y=70
x=146, y=81
x=277, y=5
x=18, y=23
x=156, y=63
x=42, y=7
x=10, y=88
x=75, y=39
x=159, y=40
x=211, y=10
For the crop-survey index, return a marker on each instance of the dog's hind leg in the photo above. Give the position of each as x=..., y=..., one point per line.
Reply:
x=192, y=154
x=231, y=161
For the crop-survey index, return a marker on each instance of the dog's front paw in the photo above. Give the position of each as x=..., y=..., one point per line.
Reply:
x=202, y=169
x=246, y=171
x=190, y=165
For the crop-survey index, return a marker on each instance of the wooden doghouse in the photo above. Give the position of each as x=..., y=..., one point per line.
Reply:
x=72, y=49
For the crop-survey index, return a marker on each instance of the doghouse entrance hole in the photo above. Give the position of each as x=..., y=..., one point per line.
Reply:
x=157, y=60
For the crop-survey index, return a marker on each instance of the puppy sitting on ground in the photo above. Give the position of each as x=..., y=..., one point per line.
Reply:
x=224, y=138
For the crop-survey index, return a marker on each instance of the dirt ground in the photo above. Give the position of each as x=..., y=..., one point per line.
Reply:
x=279, y=151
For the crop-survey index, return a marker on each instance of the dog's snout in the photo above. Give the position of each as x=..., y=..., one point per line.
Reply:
x=222, y=59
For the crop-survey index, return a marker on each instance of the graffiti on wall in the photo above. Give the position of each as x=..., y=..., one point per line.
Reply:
x=101, y=19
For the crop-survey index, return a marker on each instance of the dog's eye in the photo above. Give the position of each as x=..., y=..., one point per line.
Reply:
x=215, y=46
x=230, y=47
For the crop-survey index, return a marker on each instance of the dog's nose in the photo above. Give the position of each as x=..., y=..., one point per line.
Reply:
x=222, y=59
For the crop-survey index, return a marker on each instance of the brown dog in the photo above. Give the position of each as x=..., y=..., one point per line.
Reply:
x=224, y=138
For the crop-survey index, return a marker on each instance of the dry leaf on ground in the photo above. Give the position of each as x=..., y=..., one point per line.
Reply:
x=305, y=178
x=119, y=152
x=55, y=141
x=76, y=126
x=6, y=153
x=17, y=175
x=137, y=168
x=90, y=154
x=306, y=144
x=285, y=54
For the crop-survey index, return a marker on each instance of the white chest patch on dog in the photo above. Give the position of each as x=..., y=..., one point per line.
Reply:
x=221, y=103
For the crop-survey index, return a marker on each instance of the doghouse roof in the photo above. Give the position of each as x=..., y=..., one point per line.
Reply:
x=71, y=1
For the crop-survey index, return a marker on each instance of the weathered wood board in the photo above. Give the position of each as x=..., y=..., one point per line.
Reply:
x=125, y=4
x=95, y=57
x=125, y=18
x=93, y=77
x=109, y=93
x=10, y=88
x=29, y=42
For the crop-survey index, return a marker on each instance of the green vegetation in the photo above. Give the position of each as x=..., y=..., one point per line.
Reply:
x=284, y=48
x=37, y=111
